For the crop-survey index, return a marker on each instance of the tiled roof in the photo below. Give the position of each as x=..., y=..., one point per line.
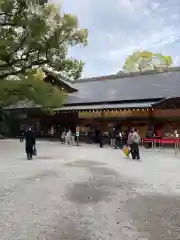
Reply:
x=61, y=80
x=127, y=87
x=108, y=106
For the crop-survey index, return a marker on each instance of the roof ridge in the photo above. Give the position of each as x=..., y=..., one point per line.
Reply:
x=58, y=75
x=124, y=75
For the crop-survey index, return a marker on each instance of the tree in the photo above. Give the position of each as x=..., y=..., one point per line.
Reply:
x=34, y=35
x=32, y=88
x=145, y=60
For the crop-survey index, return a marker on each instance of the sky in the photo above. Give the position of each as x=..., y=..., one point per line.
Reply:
x=117, y=28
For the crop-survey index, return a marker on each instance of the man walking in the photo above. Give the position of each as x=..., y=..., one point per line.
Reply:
x=30, y=144
x=129, y=141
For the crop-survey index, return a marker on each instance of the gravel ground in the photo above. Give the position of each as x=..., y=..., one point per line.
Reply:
x=88, y=193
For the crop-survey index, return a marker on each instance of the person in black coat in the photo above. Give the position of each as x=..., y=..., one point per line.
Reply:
x=21, y=135
x=30, y=143
x=150, y=134
x=101, y=139
x=125, y=137
x=90, y=136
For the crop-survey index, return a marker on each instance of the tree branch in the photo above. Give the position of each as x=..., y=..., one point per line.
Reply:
x=20, y=45
x=5, y=14
x=10, y=64
x=22, y=70
x=8, y=24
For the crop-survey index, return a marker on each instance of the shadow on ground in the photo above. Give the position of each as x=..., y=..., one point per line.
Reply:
x=102, y=185
x=154, y=217
x=158, y=216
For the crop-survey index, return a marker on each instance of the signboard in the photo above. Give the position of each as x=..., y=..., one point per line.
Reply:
x=89, y=114
x=114, y=114
x=170, y=113
x=124, y=114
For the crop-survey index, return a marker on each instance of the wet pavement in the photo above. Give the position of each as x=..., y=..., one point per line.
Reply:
x=88, y=193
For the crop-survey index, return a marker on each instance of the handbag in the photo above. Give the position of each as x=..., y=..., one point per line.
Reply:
x=34, y=150
x=126, y=150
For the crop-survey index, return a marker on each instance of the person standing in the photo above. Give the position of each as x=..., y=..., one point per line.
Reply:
x=120, y=145
x=89, y=135
x=129, y=141
x=100, y=139
x=125, y=137
x=69, y=137
x=118, y=139
x=150, y=135
x=21, y=134
x=135, y=145
x=112, y=137
x=63, y=136
x=30, y=143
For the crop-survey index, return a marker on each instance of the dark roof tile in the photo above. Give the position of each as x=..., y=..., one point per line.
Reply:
x=126, y=88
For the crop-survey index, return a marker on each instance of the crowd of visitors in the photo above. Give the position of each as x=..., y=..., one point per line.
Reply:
x=117, y=140
x=67, y=137
x=130, y=139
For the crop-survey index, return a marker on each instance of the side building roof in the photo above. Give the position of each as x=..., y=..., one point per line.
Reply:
x=60, y=80
x=127, y=87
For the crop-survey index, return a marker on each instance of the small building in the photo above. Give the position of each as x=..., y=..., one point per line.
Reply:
x=142, y=100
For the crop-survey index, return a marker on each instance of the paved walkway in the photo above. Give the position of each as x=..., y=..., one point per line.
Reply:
x=88, y=193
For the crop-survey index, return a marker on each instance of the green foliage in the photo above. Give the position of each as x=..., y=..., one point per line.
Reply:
x=145, y=60
x=36, y=34
x=33, y=35
x=31, y=88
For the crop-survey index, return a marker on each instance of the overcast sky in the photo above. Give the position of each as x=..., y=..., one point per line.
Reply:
x=119, y=27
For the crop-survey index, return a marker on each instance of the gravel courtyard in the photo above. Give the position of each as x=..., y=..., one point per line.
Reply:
x=88, y=193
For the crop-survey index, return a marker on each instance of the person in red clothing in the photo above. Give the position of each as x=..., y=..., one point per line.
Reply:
x=150, y=134
x=159, y=132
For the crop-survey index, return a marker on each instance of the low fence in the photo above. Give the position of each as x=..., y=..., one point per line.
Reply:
x=160, y=143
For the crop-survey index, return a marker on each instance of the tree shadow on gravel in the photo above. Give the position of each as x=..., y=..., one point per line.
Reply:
x=102, y=185
x=158, y=216
x=84, y=163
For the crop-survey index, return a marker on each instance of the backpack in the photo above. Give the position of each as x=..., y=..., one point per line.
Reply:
x=136, y=139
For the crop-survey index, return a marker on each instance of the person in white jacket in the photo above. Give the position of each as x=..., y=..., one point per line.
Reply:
x=69, y=137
